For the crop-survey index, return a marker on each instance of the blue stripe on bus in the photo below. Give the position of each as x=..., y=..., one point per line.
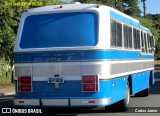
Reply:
x=78, y=55
x=127, y=20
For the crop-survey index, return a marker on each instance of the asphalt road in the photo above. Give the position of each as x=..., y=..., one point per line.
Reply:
x=138, y=105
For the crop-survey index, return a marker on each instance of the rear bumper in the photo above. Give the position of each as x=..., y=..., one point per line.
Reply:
x=62, y=102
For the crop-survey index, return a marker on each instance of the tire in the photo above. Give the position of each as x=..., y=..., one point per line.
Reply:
x=124, y=104
x=143, y=93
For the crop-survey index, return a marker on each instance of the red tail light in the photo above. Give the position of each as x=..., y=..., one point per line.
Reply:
x=24, y=87
x=24, y=80
x=88, y=87
x=88, y=79
x=90, y=83
x=24, y=84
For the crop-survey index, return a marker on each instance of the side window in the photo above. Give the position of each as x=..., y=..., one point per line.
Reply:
x=149, y=43
x=145, y=42
x=138, y=39
x=152, y=41
x=136, y=36
x=127, y=36
x=116, y=34
x=130, y=37
x=113, y=33
x=119, y=35
x=142, y=42
x=152, y=44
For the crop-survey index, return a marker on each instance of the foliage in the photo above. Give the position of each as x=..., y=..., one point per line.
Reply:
x=5, y=74
x=10, y=12
x=155, y=19
x=131, y=7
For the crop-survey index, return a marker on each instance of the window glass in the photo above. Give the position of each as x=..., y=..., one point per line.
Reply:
x=138, y=39
x=148, y=39
x=152, y=41
x=119, y=35
x=113, y=33
x=135, y=38
x=130, y=37
x=152, y=44
x=145, y=42
x=142, y=41
x=60, y=30
x=125, y=36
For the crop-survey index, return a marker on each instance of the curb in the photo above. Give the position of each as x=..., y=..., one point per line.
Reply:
x=7, y=93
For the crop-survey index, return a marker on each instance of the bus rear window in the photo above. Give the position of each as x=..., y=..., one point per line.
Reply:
x=60, y=30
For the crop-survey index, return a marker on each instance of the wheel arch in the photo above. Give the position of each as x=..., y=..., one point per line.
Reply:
x=151, y=78
x=130, y=83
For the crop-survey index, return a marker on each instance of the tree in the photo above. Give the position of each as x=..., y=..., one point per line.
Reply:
x=118, y=4
x=155, y=20
x=144, y=7
x=10, y=12
x=131, y=7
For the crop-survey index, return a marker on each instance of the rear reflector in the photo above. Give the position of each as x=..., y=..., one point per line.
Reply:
x=21, y=102
x=91, y=102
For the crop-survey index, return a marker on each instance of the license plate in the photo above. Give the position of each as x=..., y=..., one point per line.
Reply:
x=56, y=80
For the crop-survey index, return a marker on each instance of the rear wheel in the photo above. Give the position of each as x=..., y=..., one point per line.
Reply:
x=124, y=104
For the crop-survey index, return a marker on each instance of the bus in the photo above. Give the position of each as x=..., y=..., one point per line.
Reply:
x=81, y=55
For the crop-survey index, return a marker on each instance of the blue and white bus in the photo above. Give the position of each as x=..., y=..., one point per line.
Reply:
x=79, y=55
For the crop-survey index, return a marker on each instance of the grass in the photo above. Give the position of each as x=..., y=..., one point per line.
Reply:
x=5, y=80
x=5, y=74
x=157, y=62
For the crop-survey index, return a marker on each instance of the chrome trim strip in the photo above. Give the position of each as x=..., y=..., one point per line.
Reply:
x=27, y=102
x=55, y=102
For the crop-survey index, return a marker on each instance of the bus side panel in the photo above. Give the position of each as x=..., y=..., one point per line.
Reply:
x=140, y=81
x=118, y=89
